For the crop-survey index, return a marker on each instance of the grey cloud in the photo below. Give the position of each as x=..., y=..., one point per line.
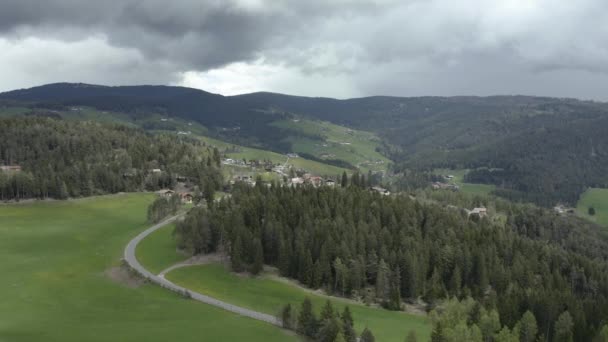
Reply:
x=436, y=45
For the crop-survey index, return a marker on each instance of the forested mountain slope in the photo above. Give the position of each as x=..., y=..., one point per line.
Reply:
x=60, y=159
x=550, y=149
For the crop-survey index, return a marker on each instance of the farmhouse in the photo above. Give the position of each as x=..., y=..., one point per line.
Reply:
x=330, y=182
x=444, y=186
x=381, y=191
x=156, y=170
x=186, y=197
x=481, y=212
x=10, y=168
x=297, y=180
x=316, y=181
x=165, y=193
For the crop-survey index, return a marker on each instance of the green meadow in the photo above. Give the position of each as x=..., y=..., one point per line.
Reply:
x=335, y=142
x=255, y=153
x=467, y=188
x=158, y=251
x=267, y=294
x=598, y=199
x=55, y=261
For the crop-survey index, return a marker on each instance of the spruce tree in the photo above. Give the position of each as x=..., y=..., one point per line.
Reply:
x=348, y=325
x=344, y=181
x=236, y=255
x=367, y=336
x=258, y=257
x=307, y=322
x=563, y=328
x=527, y=327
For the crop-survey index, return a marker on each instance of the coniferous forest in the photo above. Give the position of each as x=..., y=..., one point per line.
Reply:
x=355, y=243
x=61, y=159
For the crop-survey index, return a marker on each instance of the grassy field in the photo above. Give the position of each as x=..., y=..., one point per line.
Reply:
x=337, y=142
x=598, y=199
x=53, y=260
x=269, y=295
x=254, y=153
x=158, y=251
x=468, y=188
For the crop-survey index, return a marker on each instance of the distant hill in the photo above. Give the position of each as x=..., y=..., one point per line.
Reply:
x=533, y=148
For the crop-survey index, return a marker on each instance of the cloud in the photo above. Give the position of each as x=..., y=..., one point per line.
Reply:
x=333, y=48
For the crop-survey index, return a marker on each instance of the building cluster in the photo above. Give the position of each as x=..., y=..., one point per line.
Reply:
x=315, y=181
x=185, y=196
x=444, y=186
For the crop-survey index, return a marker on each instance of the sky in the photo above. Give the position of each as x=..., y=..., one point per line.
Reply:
x=338, y=48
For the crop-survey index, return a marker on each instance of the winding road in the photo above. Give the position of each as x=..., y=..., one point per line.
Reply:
x=130, y=258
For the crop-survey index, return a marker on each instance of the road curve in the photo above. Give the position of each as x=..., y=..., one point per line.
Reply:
x=130, y=258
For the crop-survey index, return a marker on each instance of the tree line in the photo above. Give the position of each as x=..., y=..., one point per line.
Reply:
x=61, y=159
x=384, y=249
x=330, y=326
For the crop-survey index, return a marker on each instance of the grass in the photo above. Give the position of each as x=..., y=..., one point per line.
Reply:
x=467, y=188
x=269, y=295
x=598, y=199
x=255, y=153
x=53, y=256
x=336, y=142
x=158, y=251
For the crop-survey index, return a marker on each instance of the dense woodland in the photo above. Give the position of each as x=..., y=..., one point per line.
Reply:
x=385, y=249
x=61, y=159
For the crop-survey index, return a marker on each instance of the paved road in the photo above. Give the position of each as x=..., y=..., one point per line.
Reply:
x=132, y=261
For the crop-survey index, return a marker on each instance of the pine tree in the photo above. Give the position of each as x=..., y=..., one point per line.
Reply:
x=287, y=317
x=236, y=255
x=437, y=333
x=348, y=325
x=327, y=312
x=307, y=322
x=344, y=181
x=602, y=336
x=382, y=281
x=367, y=336
x=258, y=257
x=527, y=327
x=328, y=330
x=563, y=328
x=395, y=290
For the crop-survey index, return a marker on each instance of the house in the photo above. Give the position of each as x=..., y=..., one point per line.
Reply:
x=444, y=186
x=481, y=212
x=165, y=193
x=292, y=155
x=381, y=191
x=330, y=182
x=315, y=181
x=297, y=180
x=156, y=170
x=186, y=197
x=10, y=168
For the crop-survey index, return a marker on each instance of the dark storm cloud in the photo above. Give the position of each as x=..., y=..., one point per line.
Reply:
x=435, y=46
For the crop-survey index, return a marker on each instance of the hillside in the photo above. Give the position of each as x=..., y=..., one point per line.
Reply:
x=521, y=137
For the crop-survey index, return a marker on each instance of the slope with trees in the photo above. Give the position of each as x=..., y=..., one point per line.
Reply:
x=384, y=249
x=61, y=159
